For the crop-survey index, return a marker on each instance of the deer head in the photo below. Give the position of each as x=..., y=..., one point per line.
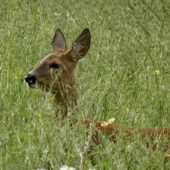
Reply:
x=56, y=72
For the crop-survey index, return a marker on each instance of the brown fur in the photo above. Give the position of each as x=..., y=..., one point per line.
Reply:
x=112, y=130
x=62, y=83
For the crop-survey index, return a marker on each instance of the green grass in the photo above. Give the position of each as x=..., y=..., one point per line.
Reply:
x=130, y=39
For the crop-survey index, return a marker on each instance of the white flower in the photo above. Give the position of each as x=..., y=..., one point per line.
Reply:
x=65, y=167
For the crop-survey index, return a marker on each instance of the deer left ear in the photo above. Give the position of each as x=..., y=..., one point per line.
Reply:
x=59, y=41
x=81, y=45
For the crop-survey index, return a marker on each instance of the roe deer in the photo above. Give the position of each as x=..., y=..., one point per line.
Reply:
x=56, y=73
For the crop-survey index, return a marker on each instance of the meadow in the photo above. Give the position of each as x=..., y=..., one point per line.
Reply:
x=125, y=75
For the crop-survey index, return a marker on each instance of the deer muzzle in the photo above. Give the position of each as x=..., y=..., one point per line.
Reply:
x=31, y=80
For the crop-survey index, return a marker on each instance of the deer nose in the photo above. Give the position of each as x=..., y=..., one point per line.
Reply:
x=30, y=79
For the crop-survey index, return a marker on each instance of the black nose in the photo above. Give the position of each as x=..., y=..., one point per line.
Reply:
x=30, y=79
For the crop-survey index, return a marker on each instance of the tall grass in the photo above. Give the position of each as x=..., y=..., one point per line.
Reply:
x=116, y=79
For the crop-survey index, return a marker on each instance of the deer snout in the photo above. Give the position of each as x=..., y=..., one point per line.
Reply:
x=31, y=80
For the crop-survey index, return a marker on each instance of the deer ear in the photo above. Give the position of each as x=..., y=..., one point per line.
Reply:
x=59, y=41
x=81, y=45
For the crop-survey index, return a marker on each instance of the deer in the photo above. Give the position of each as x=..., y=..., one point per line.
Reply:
x=56, y=73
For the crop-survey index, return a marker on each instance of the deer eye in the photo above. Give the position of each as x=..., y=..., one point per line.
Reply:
x=55, y=66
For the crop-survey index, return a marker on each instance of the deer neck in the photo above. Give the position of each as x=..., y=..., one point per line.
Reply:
x=65, y=101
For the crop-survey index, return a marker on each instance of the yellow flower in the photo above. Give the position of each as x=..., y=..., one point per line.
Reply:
x=156, y=72
x=108, y=122
x=111, y=120
x=104, y=123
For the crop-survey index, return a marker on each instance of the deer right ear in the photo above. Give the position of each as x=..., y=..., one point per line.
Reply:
x=81, y=45
x=59, y=41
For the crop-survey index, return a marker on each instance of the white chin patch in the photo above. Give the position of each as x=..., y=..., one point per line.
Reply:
x=32, y=86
